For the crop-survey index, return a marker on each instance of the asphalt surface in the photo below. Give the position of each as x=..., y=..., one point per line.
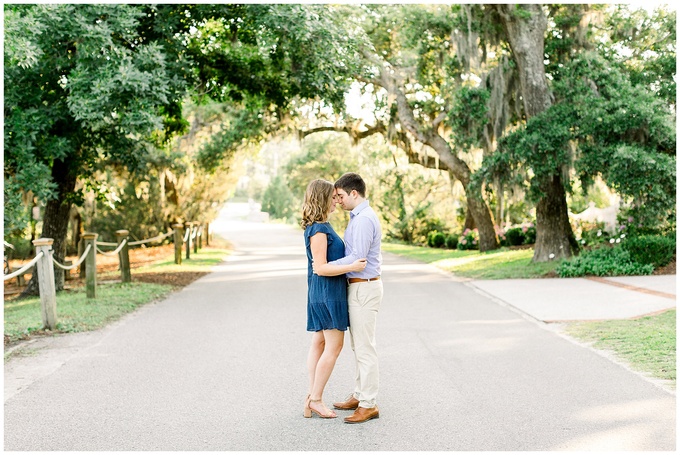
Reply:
x=220, y=366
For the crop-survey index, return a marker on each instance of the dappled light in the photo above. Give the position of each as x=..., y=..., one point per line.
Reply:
x=620, y=426
x=520, y=165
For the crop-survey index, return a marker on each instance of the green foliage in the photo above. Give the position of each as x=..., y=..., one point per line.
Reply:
x=468, y=117
x=529, y=235
x=604, y=126
x=436, y=239
x=646, y=49
x=169, y=187
x=17, y=215
x=407, y=218
x=657, y=250
x=589, y=233
x=136, y=206
x=515, y=236
x=278, y=200
x=452, y=241
x=469, y=240
x=604, y=261
x=274, y=52
x=580, y=198
x=89, y=89
x=239, y=125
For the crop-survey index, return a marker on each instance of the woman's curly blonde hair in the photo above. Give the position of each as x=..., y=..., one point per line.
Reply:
x=317, y=203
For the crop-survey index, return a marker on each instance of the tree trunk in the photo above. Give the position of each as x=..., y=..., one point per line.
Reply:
x=477, y=206
x=55, y=223
x=469, y=220
x=526, y=37
x=482, y=217
x=555, y=239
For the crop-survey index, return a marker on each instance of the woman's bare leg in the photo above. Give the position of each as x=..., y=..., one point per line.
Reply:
x=315, y=351
x=333, y=340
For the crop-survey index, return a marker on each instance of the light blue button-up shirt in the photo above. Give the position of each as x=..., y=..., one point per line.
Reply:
x=362, y=240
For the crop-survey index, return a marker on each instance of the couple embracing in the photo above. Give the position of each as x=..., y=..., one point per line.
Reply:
x=344, y=291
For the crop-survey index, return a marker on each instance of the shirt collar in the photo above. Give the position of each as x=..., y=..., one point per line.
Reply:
x=357, y=210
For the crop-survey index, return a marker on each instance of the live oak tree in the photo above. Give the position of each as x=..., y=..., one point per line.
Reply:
x=88, y=85
x=525, y=27
x=600, y=122
x=81, y=86
x=418, y=89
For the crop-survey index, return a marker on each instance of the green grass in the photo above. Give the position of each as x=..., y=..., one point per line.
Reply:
x=493, y=265
x=77, y=313
x=647, y=344
x=203, y=261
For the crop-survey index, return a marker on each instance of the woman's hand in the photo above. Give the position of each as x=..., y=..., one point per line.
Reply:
x=358, y=265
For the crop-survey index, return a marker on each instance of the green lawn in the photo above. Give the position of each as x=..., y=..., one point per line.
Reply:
x=77, y=313
x=203, y=261
x=647, y=344
x=493, y=265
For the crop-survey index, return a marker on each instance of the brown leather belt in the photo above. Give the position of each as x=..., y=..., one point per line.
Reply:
x=361, y=280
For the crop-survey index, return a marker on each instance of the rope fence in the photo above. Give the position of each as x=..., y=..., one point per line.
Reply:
x=23, y=269
x=44, y=262
x=156, y=239
x=114, y=252
x=77, y=263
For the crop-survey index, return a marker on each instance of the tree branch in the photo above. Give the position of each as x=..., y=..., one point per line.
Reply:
x=356, y=136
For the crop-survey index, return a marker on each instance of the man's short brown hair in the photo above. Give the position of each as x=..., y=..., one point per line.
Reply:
x=351, y=181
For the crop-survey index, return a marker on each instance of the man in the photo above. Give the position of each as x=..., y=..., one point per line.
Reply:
x=364, y=294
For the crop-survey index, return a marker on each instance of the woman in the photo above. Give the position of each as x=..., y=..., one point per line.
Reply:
x=327, y=313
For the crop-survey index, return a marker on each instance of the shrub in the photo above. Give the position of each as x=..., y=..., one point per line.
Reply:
x=452, y=241
x=530, y=235
x=589, y=233
x=469, y=240
x=515, y=236
x=603, y=261
x=436, y=240
x=650, y=249
x=430, y=238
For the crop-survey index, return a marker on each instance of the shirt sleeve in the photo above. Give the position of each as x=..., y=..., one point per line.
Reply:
x=362, y=236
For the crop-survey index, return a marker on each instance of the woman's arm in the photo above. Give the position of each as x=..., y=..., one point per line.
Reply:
x=319, y=244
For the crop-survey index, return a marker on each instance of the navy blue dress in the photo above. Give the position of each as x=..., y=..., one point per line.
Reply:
x=326, y=295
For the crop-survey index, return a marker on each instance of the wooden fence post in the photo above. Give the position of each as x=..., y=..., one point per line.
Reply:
x=187, y=227
x=91, y=267
x=196, y=238
x=83, y=266
x=48, y=296
x=124, y=256
x=177, y=238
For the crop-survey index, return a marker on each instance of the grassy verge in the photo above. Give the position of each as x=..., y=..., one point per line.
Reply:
x=646, y=344
x=493, y=265
x=76, y=313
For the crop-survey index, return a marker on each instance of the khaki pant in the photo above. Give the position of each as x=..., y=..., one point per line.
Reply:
x=364, y=300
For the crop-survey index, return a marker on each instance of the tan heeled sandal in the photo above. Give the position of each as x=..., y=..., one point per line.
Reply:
x=309, y=410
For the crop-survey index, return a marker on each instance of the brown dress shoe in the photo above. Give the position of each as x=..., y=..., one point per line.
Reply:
x=348, y=405
x=361, y=415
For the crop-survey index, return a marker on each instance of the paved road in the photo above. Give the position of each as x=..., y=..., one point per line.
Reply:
x=221, y=366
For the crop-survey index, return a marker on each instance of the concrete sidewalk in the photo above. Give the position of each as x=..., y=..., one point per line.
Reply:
x=579, y=299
